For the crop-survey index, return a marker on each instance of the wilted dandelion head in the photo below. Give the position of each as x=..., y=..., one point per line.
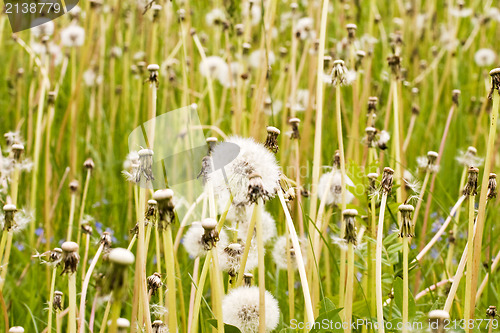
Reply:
x=159, y=327
x=272, y=139
x=234, y=177
x=154, y=282
x=240, y=308
x=349, y=216
x=387, y=180
x=495, y=81
x=471, y=184
x=492, y=186
x=70, y=257
x=339, y=73
x=406, y=227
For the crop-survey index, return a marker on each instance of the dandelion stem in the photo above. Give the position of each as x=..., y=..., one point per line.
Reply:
x=300, y=261
x=481, y=217
x=72, y=303
x=51, y=298
x=85, y=285
x=378, y=265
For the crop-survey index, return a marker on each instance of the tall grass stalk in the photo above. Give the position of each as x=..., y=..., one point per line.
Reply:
x=481, y=216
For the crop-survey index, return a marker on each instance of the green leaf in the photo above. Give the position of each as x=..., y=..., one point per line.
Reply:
x=227, y=328
x=398, y=298
x=325, y=323
x=326, y=305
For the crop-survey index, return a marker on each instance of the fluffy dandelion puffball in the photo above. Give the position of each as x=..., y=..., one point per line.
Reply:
x=252, y=158
x=241, y=309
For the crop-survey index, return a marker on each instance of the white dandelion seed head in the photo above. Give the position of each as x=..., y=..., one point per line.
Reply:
x=193, y=243
x=469, y=158
x=280, y=253
x=214, y=67
x=230, y=257
x=304, y=29
x=253, y=11
x=42, y=26
x=215, y=17
x=228, y=77
x=334, y=192
x=461, y=12
x=252, y=158
x=267, y=221
x=485, y=57
x=258, y=57
x=90, y=78
x=493, y=13
x=272, y=106
x=240, y=308
x=73, y=36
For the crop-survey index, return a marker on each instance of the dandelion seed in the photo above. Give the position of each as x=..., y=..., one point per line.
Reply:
x=241, y=309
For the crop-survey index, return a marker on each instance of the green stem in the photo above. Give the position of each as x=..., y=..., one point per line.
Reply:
x=378, y=265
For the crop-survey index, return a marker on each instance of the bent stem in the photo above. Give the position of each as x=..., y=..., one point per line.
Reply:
x=481, y=216
x=81, y=316
x=300, y=261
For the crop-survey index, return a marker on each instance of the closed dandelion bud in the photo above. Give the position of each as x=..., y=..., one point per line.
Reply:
x=106, y=240
x=165, y=200
x=370, y=135
x=17, y=151
x=372, y=104
x=339, y=73
x=406, y=229
x=492, y=312
x=495, y=81
x=16, y=329
x=336, y=160
x=55, y=255
x=9, y=210
x=349, y=216
x=247, y=279
x=119, y=259
x=89, y=164
x=145, y=165
x=73, y=185
x=438, y=320
x=255, y=188
x=86, y=229
x=153, y=74
x=394, y=62
x=294, y=122
x=211, y=142
x=51, y=97
x=211, y=235
x=150, y=214
x=351, y=30
x=492, y=186
x=57, y=302
x=239, y=28
x=471, y=185
x=70, y=257
x=272, y=139
x=154, y=282
x=387, y=180
x=372, y=183
x=455, y=94
x=158, y=327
